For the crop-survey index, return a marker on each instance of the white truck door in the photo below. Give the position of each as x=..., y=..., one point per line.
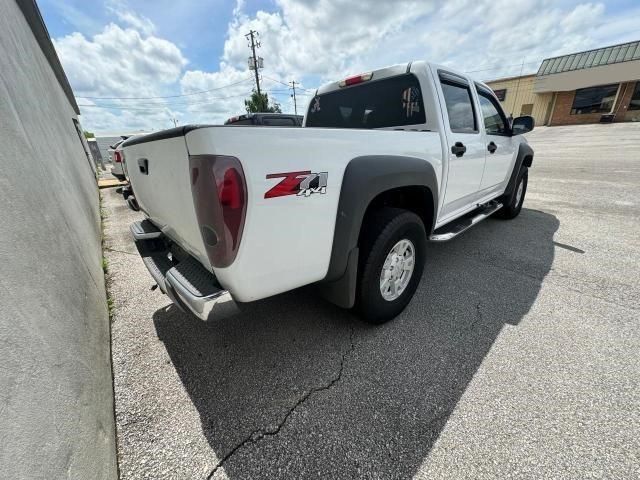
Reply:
x=500, y=147
x=465, y=143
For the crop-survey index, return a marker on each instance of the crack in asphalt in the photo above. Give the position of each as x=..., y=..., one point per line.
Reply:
x=260, y=433
x=478, y=316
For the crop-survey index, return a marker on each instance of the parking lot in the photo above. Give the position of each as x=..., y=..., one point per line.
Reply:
x=517, y=358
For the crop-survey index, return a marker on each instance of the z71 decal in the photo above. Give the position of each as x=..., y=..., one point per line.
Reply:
x=301, y=184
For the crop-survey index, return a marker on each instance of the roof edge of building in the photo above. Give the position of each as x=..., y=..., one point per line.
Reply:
x=33, y=17
x=504, y=79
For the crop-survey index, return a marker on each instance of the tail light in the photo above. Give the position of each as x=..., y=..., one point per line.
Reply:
x=356, y=79
x=117, y=157
x=220, y=198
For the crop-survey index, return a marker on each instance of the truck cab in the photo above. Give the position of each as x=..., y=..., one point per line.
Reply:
x=266, y=120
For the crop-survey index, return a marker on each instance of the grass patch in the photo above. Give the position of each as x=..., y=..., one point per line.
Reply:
x=105, y=263
x=110, y=307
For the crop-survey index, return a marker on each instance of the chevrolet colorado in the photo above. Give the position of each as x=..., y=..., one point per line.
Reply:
x=385, y=161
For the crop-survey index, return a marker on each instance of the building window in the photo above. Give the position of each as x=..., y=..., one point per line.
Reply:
x=501, y=94
x=634, y=104
x=594, y=99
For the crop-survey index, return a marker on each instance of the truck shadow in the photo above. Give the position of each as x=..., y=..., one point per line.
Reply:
x=293, y=387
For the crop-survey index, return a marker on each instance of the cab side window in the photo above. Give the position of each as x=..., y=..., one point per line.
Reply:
x=459, y=104
x=494, y=121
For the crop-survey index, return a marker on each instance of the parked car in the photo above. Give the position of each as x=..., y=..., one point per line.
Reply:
x=267, y=120
x=115, y=157
x=385, y=161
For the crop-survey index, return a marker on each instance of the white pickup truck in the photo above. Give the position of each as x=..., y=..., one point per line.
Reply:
x=385, y=162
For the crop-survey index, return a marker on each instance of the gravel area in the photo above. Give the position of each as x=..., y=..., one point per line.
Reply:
x=519, y=356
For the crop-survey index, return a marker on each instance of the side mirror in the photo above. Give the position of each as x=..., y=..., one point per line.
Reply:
x=522, y=125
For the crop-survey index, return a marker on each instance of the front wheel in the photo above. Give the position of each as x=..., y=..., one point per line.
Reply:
x=513, y=204
x=392, y=258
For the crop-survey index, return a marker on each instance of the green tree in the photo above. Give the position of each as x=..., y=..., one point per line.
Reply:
x=89, y=134
x=260, y=104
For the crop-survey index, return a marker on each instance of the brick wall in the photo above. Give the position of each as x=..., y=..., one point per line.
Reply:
x=564, y=101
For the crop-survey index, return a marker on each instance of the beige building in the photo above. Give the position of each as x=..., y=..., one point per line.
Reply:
x=600, y=85
x=518, y=98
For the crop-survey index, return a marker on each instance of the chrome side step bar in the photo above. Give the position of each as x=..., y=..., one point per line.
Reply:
x=459, y=225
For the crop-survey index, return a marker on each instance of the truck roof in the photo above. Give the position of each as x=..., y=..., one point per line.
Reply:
x=389, y=71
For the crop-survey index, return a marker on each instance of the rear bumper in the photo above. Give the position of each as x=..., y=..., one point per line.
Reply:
x=187, y=283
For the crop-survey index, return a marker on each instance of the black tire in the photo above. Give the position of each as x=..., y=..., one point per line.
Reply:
x=383, y=230
x=511, y=204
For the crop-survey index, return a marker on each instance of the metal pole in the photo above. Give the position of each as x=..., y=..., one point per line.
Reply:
x=295, y=103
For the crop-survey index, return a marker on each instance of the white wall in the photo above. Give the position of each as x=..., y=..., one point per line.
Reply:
x=56, y=404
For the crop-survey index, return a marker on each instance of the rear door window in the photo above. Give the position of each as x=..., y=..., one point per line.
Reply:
x=243, y=121
x=390, y=102
x=279, y=121
x=459, y=103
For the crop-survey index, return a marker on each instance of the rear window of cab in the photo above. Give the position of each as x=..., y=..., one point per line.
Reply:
x=390, y=102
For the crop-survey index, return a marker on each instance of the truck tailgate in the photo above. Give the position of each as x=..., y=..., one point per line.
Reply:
x=159, y=173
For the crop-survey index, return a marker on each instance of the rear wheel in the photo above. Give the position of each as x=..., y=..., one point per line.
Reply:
x=391, y=262
x=513, y=203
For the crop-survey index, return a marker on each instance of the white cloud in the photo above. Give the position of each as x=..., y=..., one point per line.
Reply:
x=127, y=16
x=137, y=22
x=121, y=62
x=229, y=89
x=320, y=40
x=331, y=39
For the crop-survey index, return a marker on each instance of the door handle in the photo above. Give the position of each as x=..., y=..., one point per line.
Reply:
x=458, y=149
x=492, y=147
x=143, y=165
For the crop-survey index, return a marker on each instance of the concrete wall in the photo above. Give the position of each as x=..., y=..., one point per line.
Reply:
x=56, y=404
x=519, y=93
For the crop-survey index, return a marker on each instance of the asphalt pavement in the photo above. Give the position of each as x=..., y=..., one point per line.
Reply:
x=519, y=356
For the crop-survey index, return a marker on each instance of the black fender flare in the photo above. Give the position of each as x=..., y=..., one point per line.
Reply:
x=524, y=157
x=364, y=179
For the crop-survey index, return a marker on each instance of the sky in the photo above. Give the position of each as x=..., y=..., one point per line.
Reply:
x=138, y=65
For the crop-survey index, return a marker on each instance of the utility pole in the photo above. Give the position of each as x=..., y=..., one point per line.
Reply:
x=295, y=104
x=517, y=88
x=255, y=44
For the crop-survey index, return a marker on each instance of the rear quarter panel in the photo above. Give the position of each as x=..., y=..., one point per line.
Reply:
x=287, y=240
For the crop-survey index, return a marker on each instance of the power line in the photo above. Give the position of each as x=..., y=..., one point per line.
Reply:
x=545, y=55
x=287, y=84
x=499, y=67
x=277, y=81
x=181, y=104
x=159, y=107
x=167, y=96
